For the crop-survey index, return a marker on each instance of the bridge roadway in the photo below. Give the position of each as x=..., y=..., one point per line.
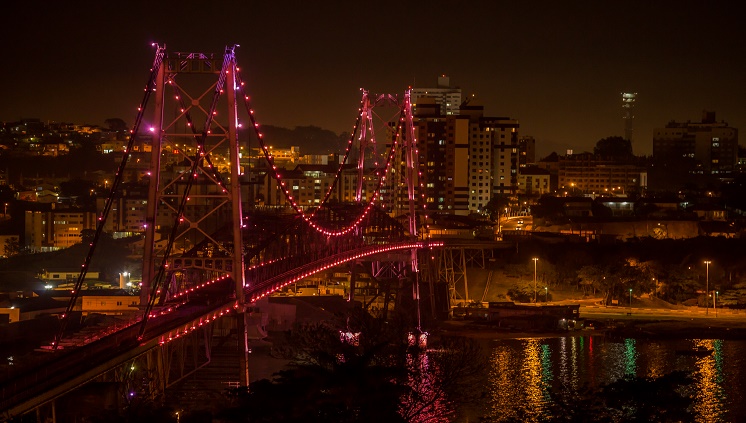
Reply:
x=68, y=369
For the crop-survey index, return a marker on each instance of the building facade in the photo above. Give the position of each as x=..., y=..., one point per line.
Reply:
x=493, y=157
x=588, y=174
x=56, y=229
x=533, y=181
x=711, y=146
x=443, y=149
x=526, y=151
x=447, y=97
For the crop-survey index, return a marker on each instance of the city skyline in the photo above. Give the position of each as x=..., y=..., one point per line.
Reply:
x=558, y=69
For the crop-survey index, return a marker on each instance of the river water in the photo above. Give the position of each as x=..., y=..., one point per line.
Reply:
x=522, y=372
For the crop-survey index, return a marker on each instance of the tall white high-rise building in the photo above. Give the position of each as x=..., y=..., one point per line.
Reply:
x=493, y=156
x=449, y=98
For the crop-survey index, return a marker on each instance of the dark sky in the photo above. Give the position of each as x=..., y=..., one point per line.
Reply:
x=557, y=67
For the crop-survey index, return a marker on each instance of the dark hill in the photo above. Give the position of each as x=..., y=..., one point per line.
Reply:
x=310, y=139
x=110, y=258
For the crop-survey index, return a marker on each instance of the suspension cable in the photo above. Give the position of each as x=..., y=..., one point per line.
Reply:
x=308, y=217
x=342, y=162
x=157, y=62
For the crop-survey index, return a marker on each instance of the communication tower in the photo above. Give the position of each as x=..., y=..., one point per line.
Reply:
x=628, y=107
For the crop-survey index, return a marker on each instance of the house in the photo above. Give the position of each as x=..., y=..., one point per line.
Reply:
x=65, y=275
x=21, y=309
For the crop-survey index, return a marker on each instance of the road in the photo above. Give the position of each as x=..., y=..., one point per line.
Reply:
x=516, y=223
x=588, y=311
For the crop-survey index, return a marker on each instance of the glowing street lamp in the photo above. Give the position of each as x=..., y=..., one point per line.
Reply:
x=546, y=294
x=630, y=301
x=707, y=284
x=714, y=303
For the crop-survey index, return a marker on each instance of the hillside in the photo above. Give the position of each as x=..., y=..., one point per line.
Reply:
x=310, y=139
x=110, y=258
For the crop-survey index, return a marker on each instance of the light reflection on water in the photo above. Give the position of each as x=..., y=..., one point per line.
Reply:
x=708, y=387
x=524, y=372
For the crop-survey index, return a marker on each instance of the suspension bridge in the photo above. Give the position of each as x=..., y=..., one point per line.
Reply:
x=201, y=192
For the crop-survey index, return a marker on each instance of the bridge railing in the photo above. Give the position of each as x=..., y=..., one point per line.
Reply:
x=262, y=287
x=49, y=371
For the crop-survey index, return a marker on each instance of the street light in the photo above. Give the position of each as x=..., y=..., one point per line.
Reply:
x=630, y=301
x=546, y=294
x=707, y=285
x=535, y=259
x=715, y=303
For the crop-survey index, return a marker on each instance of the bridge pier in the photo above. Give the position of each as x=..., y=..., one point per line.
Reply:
x=50, y=415
x=243, y=345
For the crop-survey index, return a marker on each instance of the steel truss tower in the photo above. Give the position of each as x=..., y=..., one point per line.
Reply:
x=194, y=187
x=402, y=180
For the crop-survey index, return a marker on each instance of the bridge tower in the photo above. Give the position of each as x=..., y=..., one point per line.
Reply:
x=194, y=146
x=401, y=181
x=194, y=188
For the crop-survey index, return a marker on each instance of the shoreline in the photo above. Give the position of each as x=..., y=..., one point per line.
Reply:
x=612, y=326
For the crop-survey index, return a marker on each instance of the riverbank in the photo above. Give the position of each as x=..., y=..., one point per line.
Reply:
x=618, y=325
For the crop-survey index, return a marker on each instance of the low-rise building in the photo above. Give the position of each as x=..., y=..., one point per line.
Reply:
x=65, y=275
x=111, y=302
x=56, y=229
x=533, y=181
x=20, y=309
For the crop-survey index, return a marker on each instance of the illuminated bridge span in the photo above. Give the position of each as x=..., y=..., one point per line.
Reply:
x=213, y=248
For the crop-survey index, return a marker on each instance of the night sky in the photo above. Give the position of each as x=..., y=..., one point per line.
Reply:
x=557, y=67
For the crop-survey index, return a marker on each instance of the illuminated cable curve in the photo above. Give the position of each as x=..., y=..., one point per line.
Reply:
x=270, y=159
x=288, y=195
x=297, y=208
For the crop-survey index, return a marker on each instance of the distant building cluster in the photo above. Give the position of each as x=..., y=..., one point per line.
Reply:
x=470, y=163
x=33, y=137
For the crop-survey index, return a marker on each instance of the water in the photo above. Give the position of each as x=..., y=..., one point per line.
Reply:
x=522, y=373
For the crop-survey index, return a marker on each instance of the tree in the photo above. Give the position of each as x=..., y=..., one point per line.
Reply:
x=116, y=124
x=593, y=277
x=374, y=377
x=615, y=277
x=522, y=293
x=679, y=283
x=80, y=190
x=568, y=263
x=497, y=205
x=12, y=247
x=733, y=297
x=614, y=147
